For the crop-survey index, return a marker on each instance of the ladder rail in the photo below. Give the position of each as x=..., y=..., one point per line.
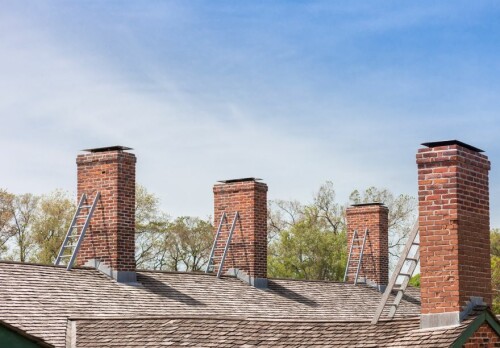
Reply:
x=404, y=285
x=82, y=233
x=395, y=274
x=221, y=265
x=70, y=229
x=214, y=245
x=354, y=235
x=361, y=257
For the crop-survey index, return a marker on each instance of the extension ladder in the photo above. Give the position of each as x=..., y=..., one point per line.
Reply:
x=412, y=246
x=76, y=233
x=356, y=238
x=211, y=260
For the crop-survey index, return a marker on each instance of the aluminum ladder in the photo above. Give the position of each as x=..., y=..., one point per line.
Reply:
x=76, y=233
x=412, y=247
x=355, y=238
x=211, y=260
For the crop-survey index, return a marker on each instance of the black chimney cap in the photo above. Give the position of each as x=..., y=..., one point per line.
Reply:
x=366, y=204
x=108, y=148
x=238, y=180
x=452, y=142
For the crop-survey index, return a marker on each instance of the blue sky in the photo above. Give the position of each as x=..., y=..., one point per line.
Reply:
x=294, y=92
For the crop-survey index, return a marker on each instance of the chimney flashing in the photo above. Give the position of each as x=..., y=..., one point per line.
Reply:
x=451, y=142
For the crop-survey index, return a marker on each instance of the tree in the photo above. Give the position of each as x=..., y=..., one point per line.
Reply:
x=6, y=219
x=189, y=243
x=51, y=223
x=150, y=230
x=24, y=211
x=306, y=251
x=495, y=268
x=402, y=216
x=180, y=245
x=307, y=241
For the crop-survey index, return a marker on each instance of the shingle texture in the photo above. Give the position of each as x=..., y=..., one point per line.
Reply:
x=40, y=299
x=220, y=332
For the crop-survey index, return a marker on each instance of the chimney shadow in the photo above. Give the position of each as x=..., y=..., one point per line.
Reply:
x=154, y=286
x=289, y=294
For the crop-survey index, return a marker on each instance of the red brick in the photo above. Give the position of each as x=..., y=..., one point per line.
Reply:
x=111, y=234
x=458, y=218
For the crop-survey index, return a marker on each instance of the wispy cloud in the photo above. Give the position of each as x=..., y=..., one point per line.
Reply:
x=297, y=94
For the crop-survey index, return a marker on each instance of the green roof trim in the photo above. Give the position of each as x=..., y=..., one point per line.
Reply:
x=13, y=337
x=485, y=317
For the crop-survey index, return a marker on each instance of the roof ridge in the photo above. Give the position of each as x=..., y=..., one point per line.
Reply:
x=10, y=262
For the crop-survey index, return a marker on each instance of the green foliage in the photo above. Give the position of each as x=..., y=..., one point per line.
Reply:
x=308, y=252
x=189, y=243
x=415, y=280
x=179, y=245
x=495, y=269
x=6, y=219
x=495, y=282
x=52, y=220
x=24, y=212
x=495, y=242
x=307, y=241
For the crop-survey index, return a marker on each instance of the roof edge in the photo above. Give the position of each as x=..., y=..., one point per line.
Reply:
x=236, y=318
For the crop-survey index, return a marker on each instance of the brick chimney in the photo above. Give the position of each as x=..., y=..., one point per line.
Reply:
x=375, y=264
x=454, y=225
x=109, y=242
x=247, y=256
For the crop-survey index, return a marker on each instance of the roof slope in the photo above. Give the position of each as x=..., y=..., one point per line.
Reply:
x=226, y=332
x=40, y=299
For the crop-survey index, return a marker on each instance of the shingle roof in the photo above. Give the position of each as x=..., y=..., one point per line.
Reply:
x=227, y=332
x=40, y=299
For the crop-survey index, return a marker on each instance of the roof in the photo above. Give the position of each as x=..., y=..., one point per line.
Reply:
x=41, y=300
x=234, y=332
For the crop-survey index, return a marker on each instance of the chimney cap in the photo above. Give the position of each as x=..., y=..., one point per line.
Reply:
x=367, y=204
x=452, y=142
x=238, y=180
x=108, y=148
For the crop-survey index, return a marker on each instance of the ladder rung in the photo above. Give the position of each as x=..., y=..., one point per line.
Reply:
x=412, y=259
x=405, y=274
x=70, y=246
x=415, y=243
x=65, y=256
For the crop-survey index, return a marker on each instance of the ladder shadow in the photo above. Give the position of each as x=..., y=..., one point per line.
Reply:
x=159, y=288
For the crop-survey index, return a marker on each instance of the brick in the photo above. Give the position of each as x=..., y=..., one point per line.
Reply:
x=375, y=264
x=248, y=248
x=111, y=233
x=454, y=227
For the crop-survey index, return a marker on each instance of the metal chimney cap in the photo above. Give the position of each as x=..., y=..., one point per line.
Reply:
x=108, y=148
x=238, y=180
x=367, y=204
x=452, y=142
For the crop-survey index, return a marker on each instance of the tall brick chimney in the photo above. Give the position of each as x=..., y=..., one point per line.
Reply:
x=375, y=264
x=454, y=225
x=247, y=256
x=109, y=242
